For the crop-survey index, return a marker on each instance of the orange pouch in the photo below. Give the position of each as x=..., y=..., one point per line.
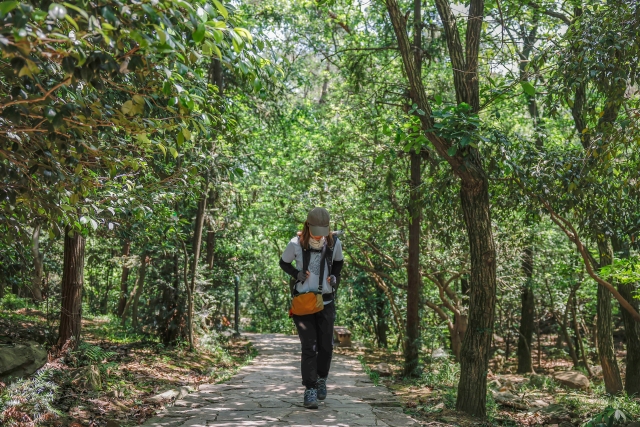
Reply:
x=308, y=303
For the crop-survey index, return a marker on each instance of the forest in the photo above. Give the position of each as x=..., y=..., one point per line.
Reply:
x=480, y=161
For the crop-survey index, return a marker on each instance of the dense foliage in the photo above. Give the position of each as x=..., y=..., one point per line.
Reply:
x=186, y=140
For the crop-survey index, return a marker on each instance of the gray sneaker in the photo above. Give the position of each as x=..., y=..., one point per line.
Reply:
x=311, y=398
x=321, y=385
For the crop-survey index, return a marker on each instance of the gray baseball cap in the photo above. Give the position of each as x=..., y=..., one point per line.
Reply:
x=318, y=220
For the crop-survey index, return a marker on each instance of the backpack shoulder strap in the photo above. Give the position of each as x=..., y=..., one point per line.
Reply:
x=306, y=256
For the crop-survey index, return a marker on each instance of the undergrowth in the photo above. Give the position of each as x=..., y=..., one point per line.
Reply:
x=374, y=376
x=589, y=406
x=30, y=399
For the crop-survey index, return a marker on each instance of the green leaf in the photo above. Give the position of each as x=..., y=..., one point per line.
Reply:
x=72, y=22
x=198, y=34
x=221, y=9
x=438, y=99
x=82, y=13
x=57, y=11
x=217, y=35
x=528, y=88
x=379, y=159
x=180, y=139
x=452, y=150
x=7, y=6
x=127, y=107
x=173, y=152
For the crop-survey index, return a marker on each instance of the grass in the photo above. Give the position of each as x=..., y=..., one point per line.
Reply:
x=374, y=376
x=587, y=406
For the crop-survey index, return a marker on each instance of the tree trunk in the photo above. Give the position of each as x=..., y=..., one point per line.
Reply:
x=610, y=370
x=197, y=239
x=474, y=194
x=631, y=327
x=71, y=287
x=381, y=323
x=576, y=330
x=412, y=337
x=565, y=329
x=527, y=317
x=38, y=266
x=124, y=289
x=474, y=357
x=142, y=272
x=632, y=333
x=412, y=340
x=105, y=300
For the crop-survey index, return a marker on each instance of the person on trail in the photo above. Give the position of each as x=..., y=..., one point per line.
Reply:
x=316, y=275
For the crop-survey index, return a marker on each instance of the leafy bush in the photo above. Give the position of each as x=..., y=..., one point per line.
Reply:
x=607, y=418
x=89, y=354
x=29, y=398
x=13, y=302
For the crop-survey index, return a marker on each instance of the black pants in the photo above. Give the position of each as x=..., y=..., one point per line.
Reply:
x=316, y=336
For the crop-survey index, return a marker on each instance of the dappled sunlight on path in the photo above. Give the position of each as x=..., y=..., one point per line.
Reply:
x=268, y=392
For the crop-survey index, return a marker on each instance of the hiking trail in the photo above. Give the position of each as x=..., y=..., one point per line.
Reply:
x=268, y=392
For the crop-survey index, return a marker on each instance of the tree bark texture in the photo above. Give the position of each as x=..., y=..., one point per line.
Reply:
x=142, y=273
x=474, y=193
x=526, y=317
x=38, y=265
x=610, y=370
x=71, y=287
x=474, y=357
x=412, y=337
x=414, y=282
x=124, y=279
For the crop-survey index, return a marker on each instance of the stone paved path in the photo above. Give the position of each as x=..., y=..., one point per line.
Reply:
x=268, y=392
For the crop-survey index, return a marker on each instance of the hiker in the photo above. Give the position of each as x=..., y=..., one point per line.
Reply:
x=316, y=275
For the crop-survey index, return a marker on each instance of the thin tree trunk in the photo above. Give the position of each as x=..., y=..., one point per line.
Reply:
x=608, y=361
x=325, y=85
x=142, y=272
x=105, y=300
x=538, y=337
x=576, y=329
x=38, y=265
x=564, y=331
x=412, y=337
x=526, y=318
x=124, y=290
x=381, y=324
x=71, y=287
x=197, y=239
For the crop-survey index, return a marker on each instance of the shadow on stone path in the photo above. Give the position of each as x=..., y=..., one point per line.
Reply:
x=268, y=392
